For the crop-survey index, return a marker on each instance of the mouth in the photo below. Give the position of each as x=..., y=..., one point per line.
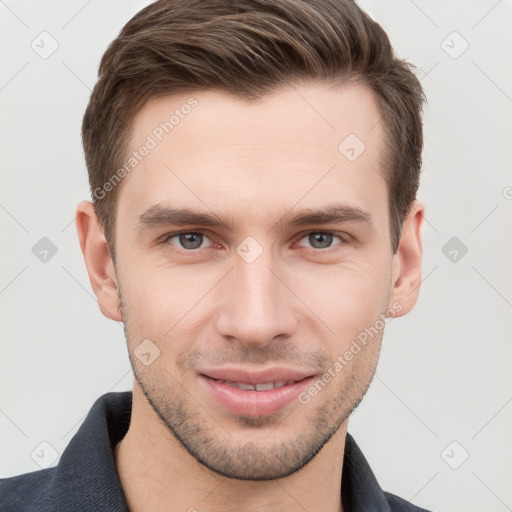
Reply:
x=254, y=394
x=264, y=386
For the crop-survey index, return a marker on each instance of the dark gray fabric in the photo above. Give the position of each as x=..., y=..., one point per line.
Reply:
x=86, y=478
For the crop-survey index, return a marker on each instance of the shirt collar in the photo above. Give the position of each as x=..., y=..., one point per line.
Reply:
x=86, y=477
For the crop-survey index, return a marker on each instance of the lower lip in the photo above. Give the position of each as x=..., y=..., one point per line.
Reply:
x=253, y=403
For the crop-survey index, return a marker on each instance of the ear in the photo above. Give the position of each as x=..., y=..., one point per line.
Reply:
x=406, y=271
x=98, y=260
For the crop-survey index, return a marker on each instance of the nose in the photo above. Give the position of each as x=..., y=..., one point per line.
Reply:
x=257, y=306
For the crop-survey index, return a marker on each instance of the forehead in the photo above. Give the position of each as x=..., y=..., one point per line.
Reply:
x=310, y=112
x=211, y=150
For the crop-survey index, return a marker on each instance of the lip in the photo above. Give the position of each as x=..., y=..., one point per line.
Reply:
x=249, y=402
x=256, y=377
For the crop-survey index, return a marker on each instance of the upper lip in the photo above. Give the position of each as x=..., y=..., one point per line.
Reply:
x=257, y=377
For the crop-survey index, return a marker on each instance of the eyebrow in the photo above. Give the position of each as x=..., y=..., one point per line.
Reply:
x=333, y=213
x=160, y=216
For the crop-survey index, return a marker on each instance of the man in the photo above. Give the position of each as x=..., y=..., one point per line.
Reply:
x=254, y=224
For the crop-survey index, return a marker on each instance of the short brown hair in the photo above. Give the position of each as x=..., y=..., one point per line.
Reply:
x=248, y=48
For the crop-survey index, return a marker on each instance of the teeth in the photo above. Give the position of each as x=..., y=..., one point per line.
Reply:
x=267, y=386
x=240, y=385
x=264, y=387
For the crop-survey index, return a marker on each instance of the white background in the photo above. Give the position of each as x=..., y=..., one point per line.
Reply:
x=444, y=373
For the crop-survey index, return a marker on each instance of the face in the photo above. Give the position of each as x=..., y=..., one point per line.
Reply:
x=252, y=251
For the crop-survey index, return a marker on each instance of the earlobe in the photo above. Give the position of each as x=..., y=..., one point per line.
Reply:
x=98, y=260
x=406, y=271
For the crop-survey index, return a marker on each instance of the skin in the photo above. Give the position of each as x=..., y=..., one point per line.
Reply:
x=300, y=304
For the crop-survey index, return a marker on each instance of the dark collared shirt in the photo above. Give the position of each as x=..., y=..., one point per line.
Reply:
x=86, y=478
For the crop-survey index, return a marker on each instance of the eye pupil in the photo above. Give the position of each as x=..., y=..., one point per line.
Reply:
x=190, y=240
x=325, y=240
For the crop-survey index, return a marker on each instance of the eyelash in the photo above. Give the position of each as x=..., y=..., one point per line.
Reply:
x=342, y=236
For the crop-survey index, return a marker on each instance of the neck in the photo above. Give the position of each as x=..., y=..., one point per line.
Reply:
x=157, y=474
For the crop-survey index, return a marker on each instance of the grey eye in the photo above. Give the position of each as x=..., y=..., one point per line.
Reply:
x=320, y=239
x=323, y=239
x=190, y=240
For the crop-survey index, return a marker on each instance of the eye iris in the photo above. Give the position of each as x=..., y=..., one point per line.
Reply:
x=325, y=240
x=191, y=240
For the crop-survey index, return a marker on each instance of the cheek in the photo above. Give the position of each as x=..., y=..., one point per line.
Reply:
x=348, y=300
x=164, y=304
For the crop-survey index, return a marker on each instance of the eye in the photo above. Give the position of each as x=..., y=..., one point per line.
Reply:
x=188, y=240
x=321, y=239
